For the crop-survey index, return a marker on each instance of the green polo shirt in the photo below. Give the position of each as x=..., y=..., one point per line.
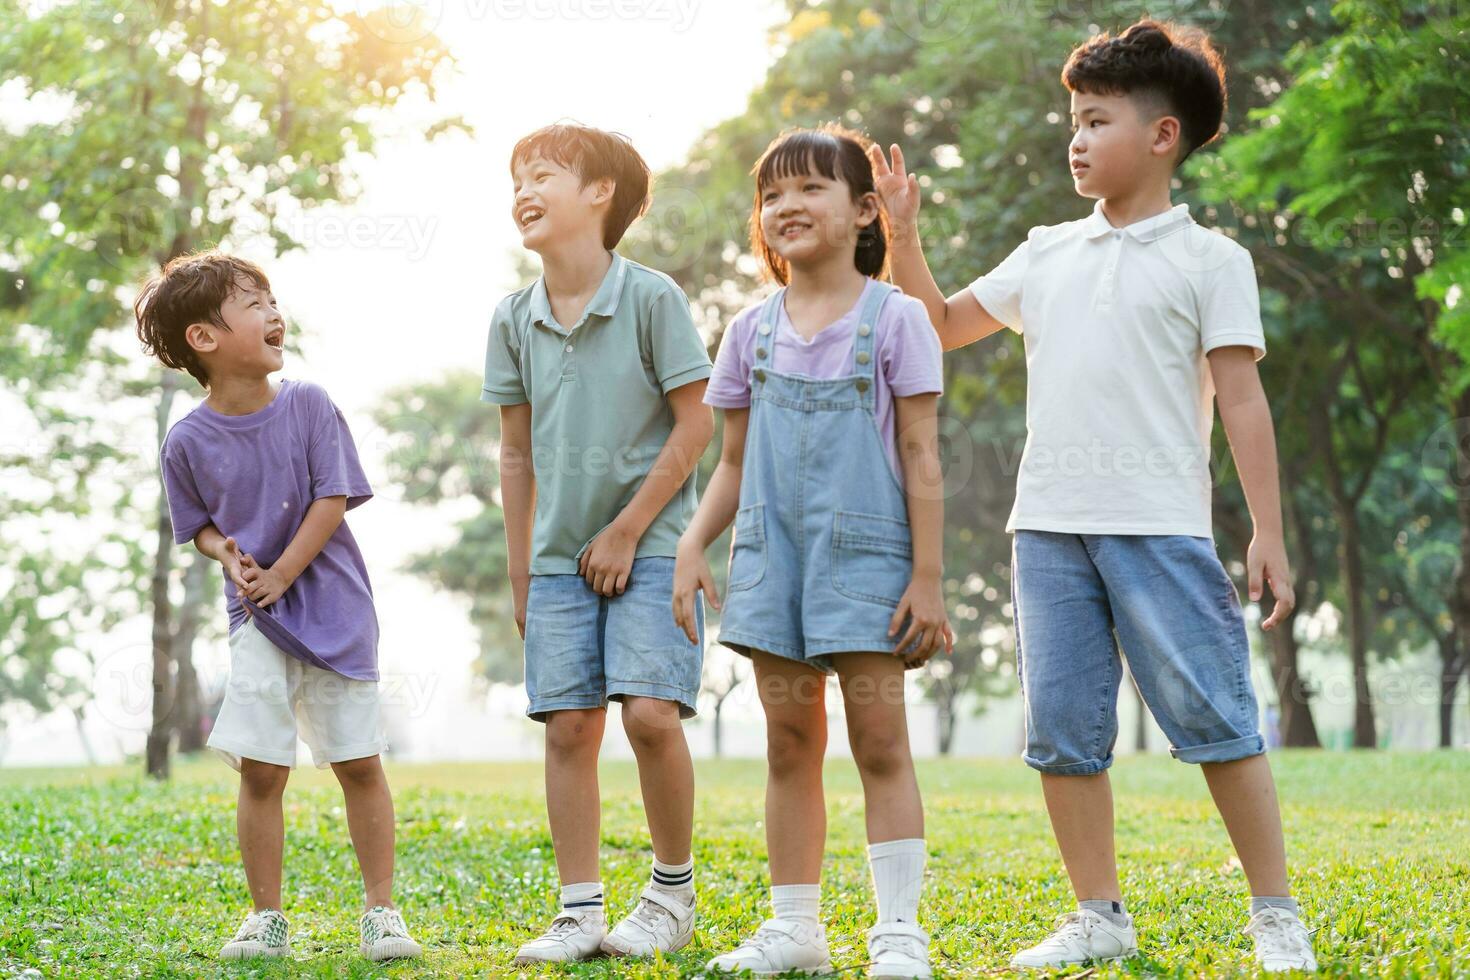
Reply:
x=599, y=411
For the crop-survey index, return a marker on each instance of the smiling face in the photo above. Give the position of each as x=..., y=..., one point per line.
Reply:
x=1119, y=144
x=252, y=341
x=551, y=205
x=806, y=217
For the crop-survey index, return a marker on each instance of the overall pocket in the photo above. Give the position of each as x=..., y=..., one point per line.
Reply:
x=748, y=550
x=871, y=557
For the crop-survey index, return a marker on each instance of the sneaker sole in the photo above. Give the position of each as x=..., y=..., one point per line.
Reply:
x=525, y=959
x=611, y=950
x=823, y=970
x=245, y=952
x=1105, y=960
x=391, y=949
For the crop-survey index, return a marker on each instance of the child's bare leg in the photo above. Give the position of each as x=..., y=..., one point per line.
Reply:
x=1245, y=795
x=370, y=822
x=261, y=829
x=665, y=773
x=573, y=803
x=793, y=696
x=877, y=730
x=1081, y=811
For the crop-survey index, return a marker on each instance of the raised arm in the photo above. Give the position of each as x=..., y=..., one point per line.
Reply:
x=959, y=320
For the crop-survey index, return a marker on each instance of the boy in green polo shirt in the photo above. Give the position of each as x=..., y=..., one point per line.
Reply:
x=599, y=373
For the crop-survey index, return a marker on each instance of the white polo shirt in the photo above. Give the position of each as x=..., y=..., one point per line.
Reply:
x=1119, y=399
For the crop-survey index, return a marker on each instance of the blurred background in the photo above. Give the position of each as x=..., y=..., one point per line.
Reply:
x=359, y=152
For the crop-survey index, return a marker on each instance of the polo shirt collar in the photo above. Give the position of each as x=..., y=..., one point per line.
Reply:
x=1151, y=229
x=604, y=303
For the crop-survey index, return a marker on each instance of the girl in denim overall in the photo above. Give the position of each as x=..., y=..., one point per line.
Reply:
x=830, y=471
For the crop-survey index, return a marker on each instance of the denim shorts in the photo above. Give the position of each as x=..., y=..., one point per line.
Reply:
x=1168, y=603
x=584, y=649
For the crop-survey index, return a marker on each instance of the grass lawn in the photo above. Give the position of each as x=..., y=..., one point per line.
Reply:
x=105, y=874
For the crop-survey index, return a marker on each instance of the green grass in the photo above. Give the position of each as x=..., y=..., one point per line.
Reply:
x=105, y=874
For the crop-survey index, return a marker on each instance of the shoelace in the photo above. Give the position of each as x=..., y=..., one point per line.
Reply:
x=389, y=923
x=1073, y=925
x=1274, y=927
x=650, y=914
x=560, y=926
x=252, y=928
x=894, y=944
x=765, y=937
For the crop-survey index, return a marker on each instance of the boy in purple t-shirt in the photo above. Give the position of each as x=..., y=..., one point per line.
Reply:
x=259, y=478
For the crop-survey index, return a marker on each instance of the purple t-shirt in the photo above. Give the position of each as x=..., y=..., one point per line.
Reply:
x=253, y=477
x=908, y=354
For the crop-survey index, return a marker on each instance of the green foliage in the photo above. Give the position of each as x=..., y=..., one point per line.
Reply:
x=149, y=882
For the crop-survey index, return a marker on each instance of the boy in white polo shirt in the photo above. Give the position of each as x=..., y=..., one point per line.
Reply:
x=1134, y=319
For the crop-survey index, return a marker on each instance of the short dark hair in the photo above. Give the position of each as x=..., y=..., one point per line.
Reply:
x=837, y=153
x=1174, y=65
x=593, y=154
x=191, y=289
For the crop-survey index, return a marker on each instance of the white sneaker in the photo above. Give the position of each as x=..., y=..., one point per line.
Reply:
x=572, y=936
x=898, y=949
x=660, y=924
x=779, y=946
x=1083, y=936
x=384, y=935
x=261, y=934
x=1282, y=942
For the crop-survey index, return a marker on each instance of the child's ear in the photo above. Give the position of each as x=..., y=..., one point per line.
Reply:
x=603, y=190
x=200, y=337
x=1166, y=137
x=868, y=209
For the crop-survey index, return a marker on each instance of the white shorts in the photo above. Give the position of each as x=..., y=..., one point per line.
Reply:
x=271, y=696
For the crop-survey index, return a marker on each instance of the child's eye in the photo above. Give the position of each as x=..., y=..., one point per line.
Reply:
x=1095, y=122
x=812, y=186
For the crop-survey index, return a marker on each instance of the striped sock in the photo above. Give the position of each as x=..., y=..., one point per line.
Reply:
x=673, y=878
x=583, y=896
x=1259, y=903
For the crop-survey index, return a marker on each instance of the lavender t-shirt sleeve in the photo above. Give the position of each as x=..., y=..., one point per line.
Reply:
x=186, y=509
x=729, y=384
x=331, y=455
x=911, y=355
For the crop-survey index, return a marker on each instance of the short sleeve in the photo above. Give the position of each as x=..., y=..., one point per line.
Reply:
x=999, y=290
x=911, y=355
x=503, y=383
x=186, y=509
x=1230, y=306
x=331, y=455
x=679, y=356
x=729, y=385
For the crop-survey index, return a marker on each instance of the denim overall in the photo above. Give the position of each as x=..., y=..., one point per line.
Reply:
x=822, y=553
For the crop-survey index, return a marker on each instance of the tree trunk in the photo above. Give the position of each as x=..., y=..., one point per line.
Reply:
x=1293, y=700
x=1140, y=723
x=1459, y=603
x=188, y=708
x=719, y=730
x=1365, y=734
x=945, y=716
x=156, y=755
x=1452, y=665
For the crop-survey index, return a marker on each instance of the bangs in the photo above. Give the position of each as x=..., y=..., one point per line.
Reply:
x=806, y=152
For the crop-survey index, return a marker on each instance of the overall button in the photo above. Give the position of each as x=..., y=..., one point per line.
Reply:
x=569, y=348
x=862, y=357
x=862, y=384
x=864, y=330
x=765, y=328
x=760, y=375
x=760, y=352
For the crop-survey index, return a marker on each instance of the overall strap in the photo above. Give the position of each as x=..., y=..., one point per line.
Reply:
x=765, y=336
x=864, y=364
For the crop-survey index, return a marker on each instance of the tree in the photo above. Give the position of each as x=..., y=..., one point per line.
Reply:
x=181, y=124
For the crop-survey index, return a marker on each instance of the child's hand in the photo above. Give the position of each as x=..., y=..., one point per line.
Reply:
x=608, y=560
x=520, y=588
x=691, y=575
x=923, y=604
x=1266, y=560
x=264, y=586
x=228, y=555
x=898, y=189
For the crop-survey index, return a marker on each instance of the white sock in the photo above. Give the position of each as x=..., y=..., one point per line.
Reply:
x=898, y=877
x=675, y=879
x=582, y=896
x=797, y=902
